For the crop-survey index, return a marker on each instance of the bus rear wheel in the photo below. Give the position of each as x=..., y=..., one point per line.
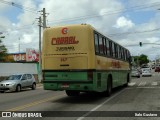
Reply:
x=108, y=91
x=72, y=93
x=109, y=86
x=127, y=81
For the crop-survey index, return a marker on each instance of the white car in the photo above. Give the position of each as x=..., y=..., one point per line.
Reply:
x=135, y=73
x=146, y=72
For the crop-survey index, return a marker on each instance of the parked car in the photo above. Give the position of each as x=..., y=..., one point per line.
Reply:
x=135, y=73
x=17, y=82
x=146, y=72
x=157, y=69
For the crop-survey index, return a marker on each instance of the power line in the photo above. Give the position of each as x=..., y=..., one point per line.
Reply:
x=19, y=28
x=110, y=35
x=86, y=16
x=29, y=9
x=81, y=17
x=135, y=32
x=95, y=15
x=115, y=34
x=108, y=13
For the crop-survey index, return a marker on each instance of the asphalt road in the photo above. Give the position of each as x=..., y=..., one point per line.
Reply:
x=130, y=103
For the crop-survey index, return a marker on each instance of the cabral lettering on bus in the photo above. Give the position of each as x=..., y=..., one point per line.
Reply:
x=64, y=40
x=116, y=64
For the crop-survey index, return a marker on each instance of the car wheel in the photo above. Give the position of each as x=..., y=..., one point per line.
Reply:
x=33, y=86
x=18, y=88
x=2, y=91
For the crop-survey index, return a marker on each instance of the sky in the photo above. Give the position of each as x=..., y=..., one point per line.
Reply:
x=127, y=22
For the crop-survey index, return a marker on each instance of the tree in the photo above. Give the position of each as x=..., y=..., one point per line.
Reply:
x=3, y=52
x=143, y=59
x=140, y=60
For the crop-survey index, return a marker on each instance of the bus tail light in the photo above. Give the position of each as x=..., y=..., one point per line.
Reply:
x=90, y=75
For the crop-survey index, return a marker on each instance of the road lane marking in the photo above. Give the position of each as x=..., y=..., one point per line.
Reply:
x=34, y=103
x=142, y=84
x=154, y=83
x=131, y=84
x=100, y=105
x=147, y=87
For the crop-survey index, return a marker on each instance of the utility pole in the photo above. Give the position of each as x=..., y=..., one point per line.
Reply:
x=40, y=56
x=41, y=24
x=44, y=18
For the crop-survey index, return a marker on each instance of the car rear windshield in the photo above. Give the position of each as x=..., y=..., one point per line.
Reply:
x=147, y=69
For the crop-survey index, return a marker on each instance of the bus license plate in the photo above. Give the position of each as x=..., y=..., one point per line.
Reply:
x=65, y=85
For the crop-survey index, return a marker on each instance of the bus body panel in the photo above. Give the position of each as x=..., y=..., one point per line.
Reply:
x=69, y=80
x=66, y=63
x=118, y=69
x=68, y=50
x=69, y=61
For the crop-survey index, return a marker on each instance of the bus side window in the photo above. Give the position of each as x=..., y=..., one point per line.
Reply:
x=107, y=48
x=110, y=48
x=101, y=45
x=126, y=56
x=129, y=57
x=122, y=54
x=104, y=47
x=96, y=43
x=118, y=52
x=113, y=50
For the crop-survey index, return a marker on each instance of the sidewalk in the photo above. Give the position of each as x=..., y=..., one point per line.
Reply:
x=39, y=84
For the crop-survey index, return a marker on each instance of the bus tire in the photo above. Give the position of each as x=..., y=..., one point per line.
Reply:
x=109, y=86
x=128, y=80
x=72, y=93
x=108, y=91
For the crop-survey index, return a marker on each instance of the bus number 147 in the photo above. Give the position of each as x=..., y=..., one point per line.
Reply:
x=63, y=59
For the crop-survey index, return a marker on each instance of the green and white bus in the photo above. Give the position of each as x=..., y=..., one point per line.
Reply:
x=78, y=58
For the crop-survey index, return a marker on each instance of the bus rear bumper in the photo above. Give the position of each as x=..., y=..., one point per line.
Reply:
x=68, y=86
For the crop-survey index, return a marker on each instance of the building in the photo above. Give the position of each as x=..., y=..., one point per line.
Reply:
x=26, y=62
